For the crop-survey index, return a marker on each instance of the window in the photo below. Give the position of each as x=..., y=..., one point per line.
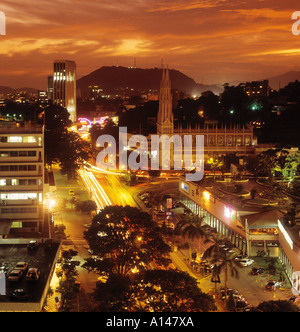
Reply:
x=31, y=153
x=15, y=139
x=29, y=139
x=31, y=168
x=3, y=139
x=2, y=182
x=4, y=154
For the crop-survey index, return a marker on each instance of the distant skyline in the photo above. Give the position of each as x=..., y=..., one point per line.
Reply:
x=212, y=41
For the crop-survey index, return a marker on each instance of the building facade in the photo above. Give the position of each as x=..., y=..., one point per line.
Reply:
x=249, y=229
x=21, y=177
x=218, y=139
x=64, y=86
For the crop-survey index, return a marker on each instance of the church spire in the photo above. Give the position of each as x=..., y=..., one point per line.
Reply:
x=165, y=118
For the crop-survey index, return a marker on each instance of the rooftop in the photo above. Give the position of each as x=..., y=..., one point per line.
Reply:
x=13, y=251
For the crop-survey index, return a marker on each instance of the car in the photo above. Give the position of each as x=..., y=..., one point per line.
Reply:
x=246, y=261
x=33, y=274
x=240, y=257
x=22, y=266
x=273, y=284
x=19, y=295
x=15, y=275
x=256, y=271
x=32, y=245
x=71, y=192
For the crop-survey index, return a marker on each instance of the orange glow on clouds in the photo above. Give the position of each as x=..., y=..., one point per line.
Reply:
x=210, y=40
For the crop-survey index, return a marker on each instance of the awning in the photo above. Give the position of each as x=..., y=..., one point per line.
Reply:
x=267, y=219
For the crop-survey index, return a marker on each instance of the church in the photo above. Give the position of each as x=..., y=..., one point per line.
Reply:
x=217, y=140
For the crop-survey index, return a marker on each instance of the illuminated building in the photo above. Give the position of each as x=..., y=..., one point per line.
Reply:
x=21, y=177
x=250, y=227
x=218, y=139
x=64, y=86
x=257, y=88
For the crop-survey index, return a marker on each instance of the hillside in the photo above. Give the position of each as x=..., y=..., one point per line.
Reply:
x=121, y=78
x=283, y=80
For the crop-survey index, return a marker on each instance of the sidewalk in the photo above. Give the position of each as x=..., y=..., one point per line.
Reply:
x=75, y=226
x=178, y=259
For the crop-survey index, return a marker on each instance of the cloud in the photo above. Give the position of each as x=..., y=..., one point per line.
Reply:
x=177, y=6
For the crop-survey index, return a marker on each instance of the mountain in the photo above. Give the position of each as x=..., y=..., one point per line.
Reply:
x=283, y=80
x=121, y=78
x=7, y=89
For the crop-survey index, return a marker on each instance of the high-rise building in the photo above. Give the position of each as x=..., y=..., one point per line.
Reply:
x=21, y=177
x=64, y=86
x=50, y=87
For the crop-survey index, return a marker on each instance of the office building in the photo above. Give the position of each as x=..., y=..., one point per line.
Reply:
x=21, y=178
x=64, y=86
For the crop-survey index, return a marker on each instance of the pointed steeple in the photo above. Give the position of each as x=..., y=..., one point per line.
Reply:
x=165, y=118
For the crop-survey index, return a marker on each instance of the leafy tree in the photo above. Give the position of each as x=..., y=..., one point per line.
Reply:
x=154, y=291
x=61, y=144
x=86, y=206
x=67, y=275
x=276, y=306
x=126, y=240
x=168, y=291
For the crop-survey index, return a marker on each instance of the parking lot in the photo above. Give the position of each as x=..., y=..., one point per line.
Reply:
x=13, y=252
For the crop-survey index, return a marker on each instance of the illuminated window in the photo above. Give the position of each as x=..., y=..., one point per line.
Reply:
x=29, y=139
x=14, y=139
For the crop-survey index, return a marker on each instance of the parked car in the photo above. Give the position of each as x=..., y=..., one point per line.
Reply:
x=256, y=271
x=19, y=295
x=15, y=275
x=33, y=274
x=22, y=266
x=71, y=192
x=273, y=284
x=246, y=261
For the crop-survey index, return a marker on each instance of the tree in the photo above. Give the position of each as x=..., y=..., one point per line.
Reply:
x=63, y=145
x=126, y=240
x=193, y=227
x=154, y=291
x=168, y=291
x=276, y=306
x=86, y=206
x=67, y=275
x=222, y=259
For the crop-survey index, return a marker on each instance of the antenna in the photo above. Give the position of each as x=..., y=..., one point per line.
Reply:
x=134, y=63
x=162, y=61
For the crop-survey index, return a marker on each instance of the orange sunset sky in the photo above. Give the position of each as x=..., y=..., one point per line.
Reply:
x=212, y=41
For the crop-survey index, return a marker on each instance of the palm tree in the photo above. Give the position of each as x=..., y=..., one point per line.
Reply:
x=222, y=259
x=193, y=227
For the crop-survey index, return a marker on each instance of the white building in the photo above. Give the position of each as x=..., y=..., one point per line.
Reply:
x=21, y=177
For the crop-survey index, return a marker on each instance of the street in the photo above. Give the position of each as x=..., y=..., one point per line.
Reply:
x=108, y=189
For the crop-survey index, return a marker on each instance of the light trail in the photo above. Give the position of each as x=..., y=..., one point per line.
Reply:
x=97, y=191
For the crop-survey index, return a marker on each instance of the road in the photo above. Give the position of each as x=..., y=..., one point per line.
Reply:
x=108, y=189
